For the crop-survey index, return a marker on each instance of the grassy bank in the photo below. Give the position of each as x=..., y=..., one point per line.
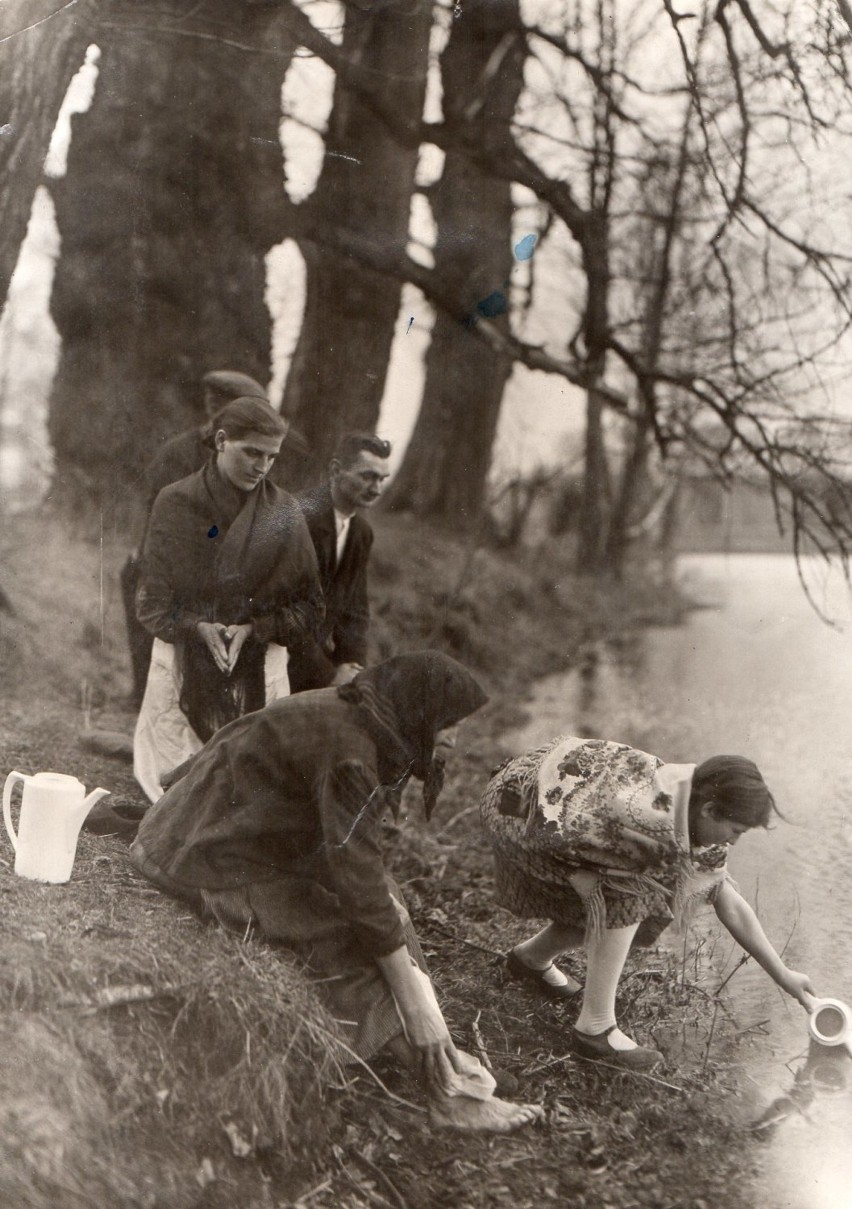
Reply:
x=156, y=1062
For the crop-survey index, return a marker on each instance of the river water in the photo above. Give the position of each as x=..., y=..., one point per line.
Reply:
x=755, y=671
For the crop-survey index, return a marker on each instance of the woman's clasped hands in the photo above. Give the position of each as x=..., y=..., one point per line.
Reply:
x=224, y=642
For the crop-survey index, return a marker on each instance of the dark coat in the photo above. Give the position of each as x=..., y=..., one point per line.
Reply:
x=286, y=794
x=347, y=609
x=181, y=455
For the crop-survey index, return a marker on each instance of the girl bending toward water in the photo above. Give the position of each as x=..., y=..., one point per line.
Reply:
x=611, y=844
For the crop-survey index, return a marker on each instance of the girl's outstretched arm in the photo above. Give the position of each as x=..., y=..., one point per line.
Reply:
x=742, y=923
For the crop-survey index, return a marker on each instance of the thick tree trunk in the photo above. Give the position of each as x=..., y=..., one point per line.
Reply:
x=40, y=50
x=337, y=376
x=162, y=273
x=446, y=465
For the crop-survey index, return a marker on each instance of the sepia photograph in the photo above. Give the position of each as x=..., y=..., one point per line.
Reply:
x=426, y=604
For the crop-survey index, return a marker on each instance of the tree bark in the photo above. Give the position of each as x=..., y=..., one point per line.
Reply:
x=337, y=375
x=40, y=50
x=594, y=507
x=162, y=273
x=446, y=465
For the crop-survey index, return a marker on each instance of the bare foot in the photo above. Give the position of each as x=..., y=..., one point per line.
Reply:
x=481, y=1116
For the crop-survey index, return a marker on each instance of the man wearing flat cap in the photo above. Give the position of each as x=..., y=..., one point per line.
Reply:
x=186, y=453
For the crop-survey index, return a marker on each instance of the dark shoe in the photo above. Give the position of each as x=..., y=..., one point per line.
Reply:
x=102, y=819
x=525, y=973
x=597, y=1047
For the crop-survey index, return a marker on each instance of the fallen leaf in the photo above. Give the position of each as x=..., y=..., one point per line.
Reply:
x=241, y=1148
x=205, y=1174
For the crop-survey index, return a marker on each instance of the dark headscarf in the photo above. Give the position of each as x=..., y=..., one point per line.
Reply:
x=404, y=703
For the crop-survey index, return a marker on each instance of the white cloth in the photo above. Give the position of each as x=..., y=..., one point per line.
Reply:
x=163, y=738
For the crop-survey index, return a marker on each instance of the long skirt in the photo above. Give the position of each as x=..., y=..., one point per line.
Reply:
x=163, y=738
x=299, y=913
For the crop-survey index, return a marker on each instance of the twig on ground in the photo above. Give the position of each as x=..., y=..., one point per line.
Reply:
x=451, y=822
x=377, y=1173
x=306, y=1196
x=621, y=1070
x=371, y=1195
x=479, y=1043
x=758, y=1024
x=120, y=996
x=471, y=944
x=710, y=1037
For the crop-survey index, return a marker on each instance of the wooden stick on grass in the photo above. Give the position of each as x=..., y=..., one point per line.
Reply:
x=479, y=1043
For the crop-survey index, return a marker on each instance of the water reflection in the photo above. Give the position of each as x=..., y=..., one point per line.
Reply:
x=755, y=672
x=810, y=1166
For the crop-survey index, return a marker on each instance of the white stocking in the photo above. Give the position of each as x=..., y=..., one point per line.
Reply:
x=605, y=958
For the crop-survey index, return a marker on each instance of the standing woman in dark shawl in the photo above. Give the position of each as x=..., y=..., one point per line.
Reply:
x=276, y=825
x=229, y=582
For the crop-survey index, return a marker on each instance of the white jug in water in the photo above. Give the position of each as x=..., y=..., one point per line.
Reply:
x=53, y=809
x=830, y=1023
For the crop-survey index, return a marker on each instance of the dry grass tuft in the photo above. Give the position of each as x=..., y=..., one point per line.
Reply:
x=131, y=1016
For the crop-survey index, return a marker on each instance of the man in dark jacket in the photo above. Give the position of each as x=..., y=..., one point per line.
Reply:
x=342, y=539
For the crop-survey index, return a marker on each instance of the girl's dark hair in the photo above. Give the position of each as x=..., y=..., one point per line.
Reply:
x=737, y=788
x=242, y=416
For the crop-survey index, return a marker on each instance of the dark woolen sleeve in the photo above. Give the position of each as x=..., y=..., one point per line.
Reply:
x=179, y=457
x=297, y=616
x=351, y=806
x=159, y=607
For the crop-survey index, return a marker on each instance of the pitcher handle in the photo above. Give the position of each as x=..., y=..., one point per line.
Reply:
x=7, y=803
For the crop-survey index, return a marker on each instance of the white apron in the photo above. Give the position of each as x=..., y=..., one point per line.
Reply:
x=164, y=738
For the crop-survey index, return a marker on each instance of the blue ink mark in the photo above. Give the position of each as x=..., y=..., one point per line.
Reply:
x=492, y=306
x=213, y=531
x=525, y=247
x=410, y=322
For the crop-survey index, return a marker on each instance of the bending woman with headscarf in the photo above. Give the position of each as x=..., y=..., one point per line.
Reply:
x=276, y=825
x=610, y=845
x=229, y=584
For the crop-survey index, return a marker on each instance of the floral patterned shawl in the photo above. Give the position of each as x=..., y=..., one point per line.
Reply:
x=622, y=813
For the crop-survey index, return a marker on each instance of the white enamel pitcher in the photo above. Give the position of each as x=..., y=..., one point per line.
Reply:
x=53, y=809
